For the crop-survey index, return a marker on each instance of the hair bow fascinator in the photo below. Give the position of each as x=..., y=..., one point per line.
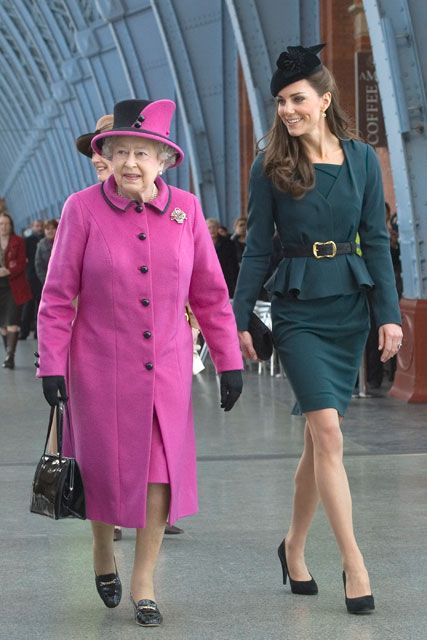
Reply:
x=295, y=64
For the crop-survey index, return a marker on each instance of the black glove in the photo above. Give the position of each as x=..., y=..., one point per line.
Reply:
x=51, y=386
x=231, y=388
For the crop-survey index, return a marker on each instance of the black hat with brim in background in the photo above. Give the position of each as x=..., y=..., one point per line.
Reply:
x=83, y=142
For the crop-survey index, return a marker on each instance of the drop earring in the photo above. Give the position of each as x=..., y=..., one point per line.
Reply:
x=160, y=172
x=324, y=114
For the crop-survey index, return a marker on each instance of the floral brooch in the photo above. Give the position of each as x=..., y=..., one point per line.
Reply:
x=178, y=215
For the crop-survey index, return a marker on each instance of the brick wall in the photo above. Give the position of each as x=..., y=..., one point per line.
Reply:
x=337, y=29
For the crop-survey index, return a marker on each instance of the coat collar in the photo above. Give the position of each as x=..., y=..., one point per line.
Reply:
x=119, y=203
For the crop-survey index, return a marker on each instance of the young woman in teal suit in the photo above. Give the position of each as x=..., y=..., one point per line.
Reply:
x=320, y=187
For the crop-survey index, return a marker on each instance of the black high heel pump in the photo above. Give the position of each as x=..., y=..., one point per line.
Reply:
x=109, y=588
x=300, y=587
x=362, y=604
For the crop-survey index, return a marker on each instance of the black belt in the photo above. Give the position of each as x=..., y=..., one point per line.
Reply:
x=328, y=249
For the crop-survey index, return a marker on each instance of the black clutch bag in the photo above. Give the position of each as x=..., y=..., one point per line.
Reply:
x=57, y=485
x=262, y=337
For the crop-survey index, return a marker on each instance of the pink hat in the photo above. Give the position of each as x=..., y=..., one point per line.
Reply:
x=144, y=119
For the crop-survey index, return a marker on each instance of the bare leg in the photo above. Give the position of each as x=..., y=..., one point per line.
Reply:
x=149, y=541
x=334, y=490
x=306, y=499
x=103, y=551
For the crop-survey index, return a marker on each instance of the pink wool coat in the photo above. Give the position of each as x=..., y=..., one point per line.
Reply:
x=127, y=351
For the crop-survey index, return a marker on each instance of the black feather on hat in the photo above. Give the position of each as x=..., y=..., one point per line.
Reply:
x=295, y=64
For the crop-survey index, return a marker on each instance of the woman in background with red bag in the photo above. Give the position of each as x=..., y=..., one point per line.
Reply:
x=14, y=287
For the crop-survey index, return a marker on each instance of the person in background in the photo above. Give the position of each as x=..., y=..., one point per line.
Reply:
x=393, y=229
x=44, y=249
x=103, y=170
x=83, y=143
x=223, y=231
x=135, y=251
x=375, y=368
x=239, y=237
x=226, y=253
x=29, y=311
x=14, y=287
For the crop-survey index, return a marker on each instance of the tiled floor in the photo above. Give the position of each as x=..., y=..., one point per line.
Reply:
x=221, y=579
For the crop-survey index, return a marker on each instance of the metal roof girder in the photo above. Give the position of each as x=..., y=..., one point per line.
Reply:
x=401, y=135
x=189, y=103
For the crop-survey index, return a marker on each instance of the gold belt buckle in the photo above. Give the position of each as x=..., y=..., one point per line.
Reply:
x=316, y=245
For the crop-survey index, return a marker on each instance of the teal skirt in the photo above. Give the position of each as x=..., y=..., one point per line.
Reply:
x=320, y=344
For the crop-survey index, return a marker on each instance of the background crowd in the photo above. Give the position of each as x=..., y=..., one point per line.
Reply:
x=23, y=268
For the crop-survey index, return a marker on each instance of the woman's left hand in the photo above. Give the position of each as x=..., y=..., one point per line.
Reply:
x=390, y=338
x=231, y=387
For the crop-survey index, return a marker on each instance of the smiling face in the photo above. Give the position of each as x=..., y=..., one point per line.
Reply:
x=135, y=164
x=300, y=108
x=102, y=167
x=50, y=231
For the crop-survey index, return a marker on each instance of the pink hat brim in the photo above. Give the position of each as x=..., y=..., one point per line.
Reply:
x=140, y=134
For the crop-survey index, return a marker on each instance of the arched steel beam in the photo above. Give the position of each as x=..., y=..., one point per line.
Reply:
x=31, y=140
x=11, y=116
x=211, y=50
x=15, y=119
x=189, y=103
x=65, y=144
x=403, y=98
x=13, y=31
x=262, y=29
x=87, y=47
x=114, y=15
x=80, y=108
x=137, y=36
x=254, y=57
x=34, y=33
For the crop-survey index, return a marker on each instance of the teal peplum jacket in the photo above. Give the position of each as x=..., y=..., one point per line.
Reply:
x=355, y=204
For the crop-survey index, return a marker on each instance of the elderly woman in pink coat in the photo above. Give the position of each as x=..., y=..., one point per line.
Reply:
x=134, y=250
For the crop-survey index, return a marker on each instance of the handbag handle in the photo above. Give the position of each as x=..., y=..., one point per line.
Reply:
x=59, y=424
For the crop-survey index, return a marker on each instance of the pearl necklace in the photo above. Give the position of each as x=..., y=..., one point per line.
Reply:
x=154, y=193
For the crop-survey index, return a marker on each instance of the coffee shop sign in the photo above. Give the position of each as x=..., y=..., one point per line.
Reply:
x=369, y=113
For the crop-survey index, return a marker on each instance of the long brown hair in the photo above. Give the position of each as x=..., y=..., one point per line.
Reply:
x=285, y=159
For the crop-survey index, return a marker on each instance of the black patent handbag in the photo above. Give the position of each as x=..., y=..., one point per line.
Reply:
x=57, y=485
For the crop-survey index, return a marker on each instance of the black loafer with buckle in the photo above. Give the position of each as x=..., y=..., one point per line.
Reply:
x=109, y=588
x=147, y=613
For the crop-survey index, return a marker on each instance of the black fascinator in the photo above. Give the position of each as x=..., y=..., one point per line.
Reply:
x=295, y=64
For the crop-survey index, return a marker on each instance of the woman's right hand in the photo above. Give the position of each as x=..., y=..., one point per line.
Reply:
x=54, y=389
x=247, y=346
